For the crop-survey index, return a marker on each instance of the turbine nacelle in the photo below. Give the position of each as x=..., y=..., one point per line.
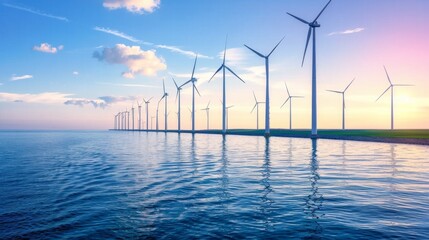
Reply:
x=314, y=24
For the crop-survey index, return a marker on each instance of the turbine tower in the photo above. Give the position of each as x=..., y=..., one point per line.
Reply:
x=312, y=28
x=193, y=80
x=223, y=67
x=289, y=98
x=207, y=109
x=267, y=86
x=391, y=96
x=344, y=103
x=257, y=110
x=147, y=113
x=128, y=119
x=140, y=114
x=179, y=89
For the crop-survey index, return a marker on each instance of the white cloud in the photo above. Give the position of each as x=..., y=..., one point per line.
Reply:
x=37, y=12
x=137, y=60
x=22, y=77
x=348, y=31
x=173, y=49
x=181, y=51
x=135, y=6
x=120, y=34
x=47, y=48
x=235, y=56
x=75, y=73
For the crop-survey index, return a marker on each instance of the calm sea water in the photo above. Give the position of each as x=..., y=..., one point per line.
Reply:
x=101, y=185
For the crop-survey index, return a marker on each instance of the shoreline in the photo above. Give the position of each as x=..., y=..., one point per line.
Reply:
x=421, y=137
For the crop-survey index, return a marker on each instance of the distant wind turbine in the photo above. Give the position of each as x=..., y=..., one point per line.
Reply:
x=344, y=103
x=128, y=119
x=140, y=114
x=132, y=114
x=312, y=28
x=147, y=112
x=289, y=98
x=179, y=89
x=267, y=86
x=224, y=67
x=207, y=109
x=391, y=95
x=257, y=110
x=165, y=96
x=193, y=80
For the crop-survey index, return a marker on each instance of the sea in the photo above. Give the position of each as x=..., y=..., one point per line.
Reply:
x=139, y=185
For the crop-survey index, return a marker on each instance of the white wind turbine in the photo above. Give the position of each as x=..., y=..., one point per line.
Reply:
x=344, y=102
x=140, y=114
x=312, y=28
x=132, y=115
x=179, y=89
x=257, y=110
x=289, y=98
x=124, y=120
x=165, y=95
x=224, y=68
x=391, y=95
x=128, y=118
x=207, y=109
x=267, y=86
x=147, y=112
x=193, y=80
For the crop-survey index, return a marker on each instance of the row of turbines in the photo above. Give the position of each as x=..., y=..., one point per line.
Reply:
x=121, y=121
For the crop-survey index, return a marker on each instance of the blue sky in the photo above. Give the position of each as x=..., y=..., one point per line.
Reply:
x=356, y=39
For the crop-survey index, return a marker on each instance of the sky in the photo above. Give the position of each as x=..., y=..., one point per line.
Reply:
x=73, y=64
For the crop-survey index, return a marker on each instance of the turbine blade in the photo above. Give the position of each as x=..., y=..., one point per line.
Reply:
x=229, y=69
x=177, y=94
x=285, y=102
x=254, y=107
x=254, y=96
x=220, y=68
x=175, y=83
x=224, y=52
x=334, y=91
x=149, y=99
x=276, y=46
x=287, y=90
x=197, y=90
x=163, y=86
x=189, y=110
x=186, y=83
x=299, y=19
x=195, y=63
x=349, y=85
x=257, y=53
x=383, y=93
x=388, y=78
x=297, y=96
x=403, y=85
x=208, y=105
x=322, y=11
x=306, y=45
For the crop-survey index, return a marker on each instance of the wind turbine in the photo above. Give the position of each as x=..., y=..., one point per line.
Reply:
x=257, y=110
x=140, y=114
x=132, y=114
x=267, y=86
x=165, y=96
x=312, y=28
x=207, y=109
x=224, y=68
x=344, y=103
x=147, y=112
x=178, y=105
x=193, y=80
x=391, y=95
x=227, y=108
x=290, y=105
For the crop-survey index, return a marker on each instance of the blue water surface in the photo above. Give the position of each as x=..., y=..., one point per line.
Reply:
x=131, y=185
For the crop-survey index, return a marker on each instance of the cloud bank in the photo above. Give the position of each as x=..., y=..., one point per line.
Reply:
x=137, y=61
x=47, y=48
x=135, y=6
